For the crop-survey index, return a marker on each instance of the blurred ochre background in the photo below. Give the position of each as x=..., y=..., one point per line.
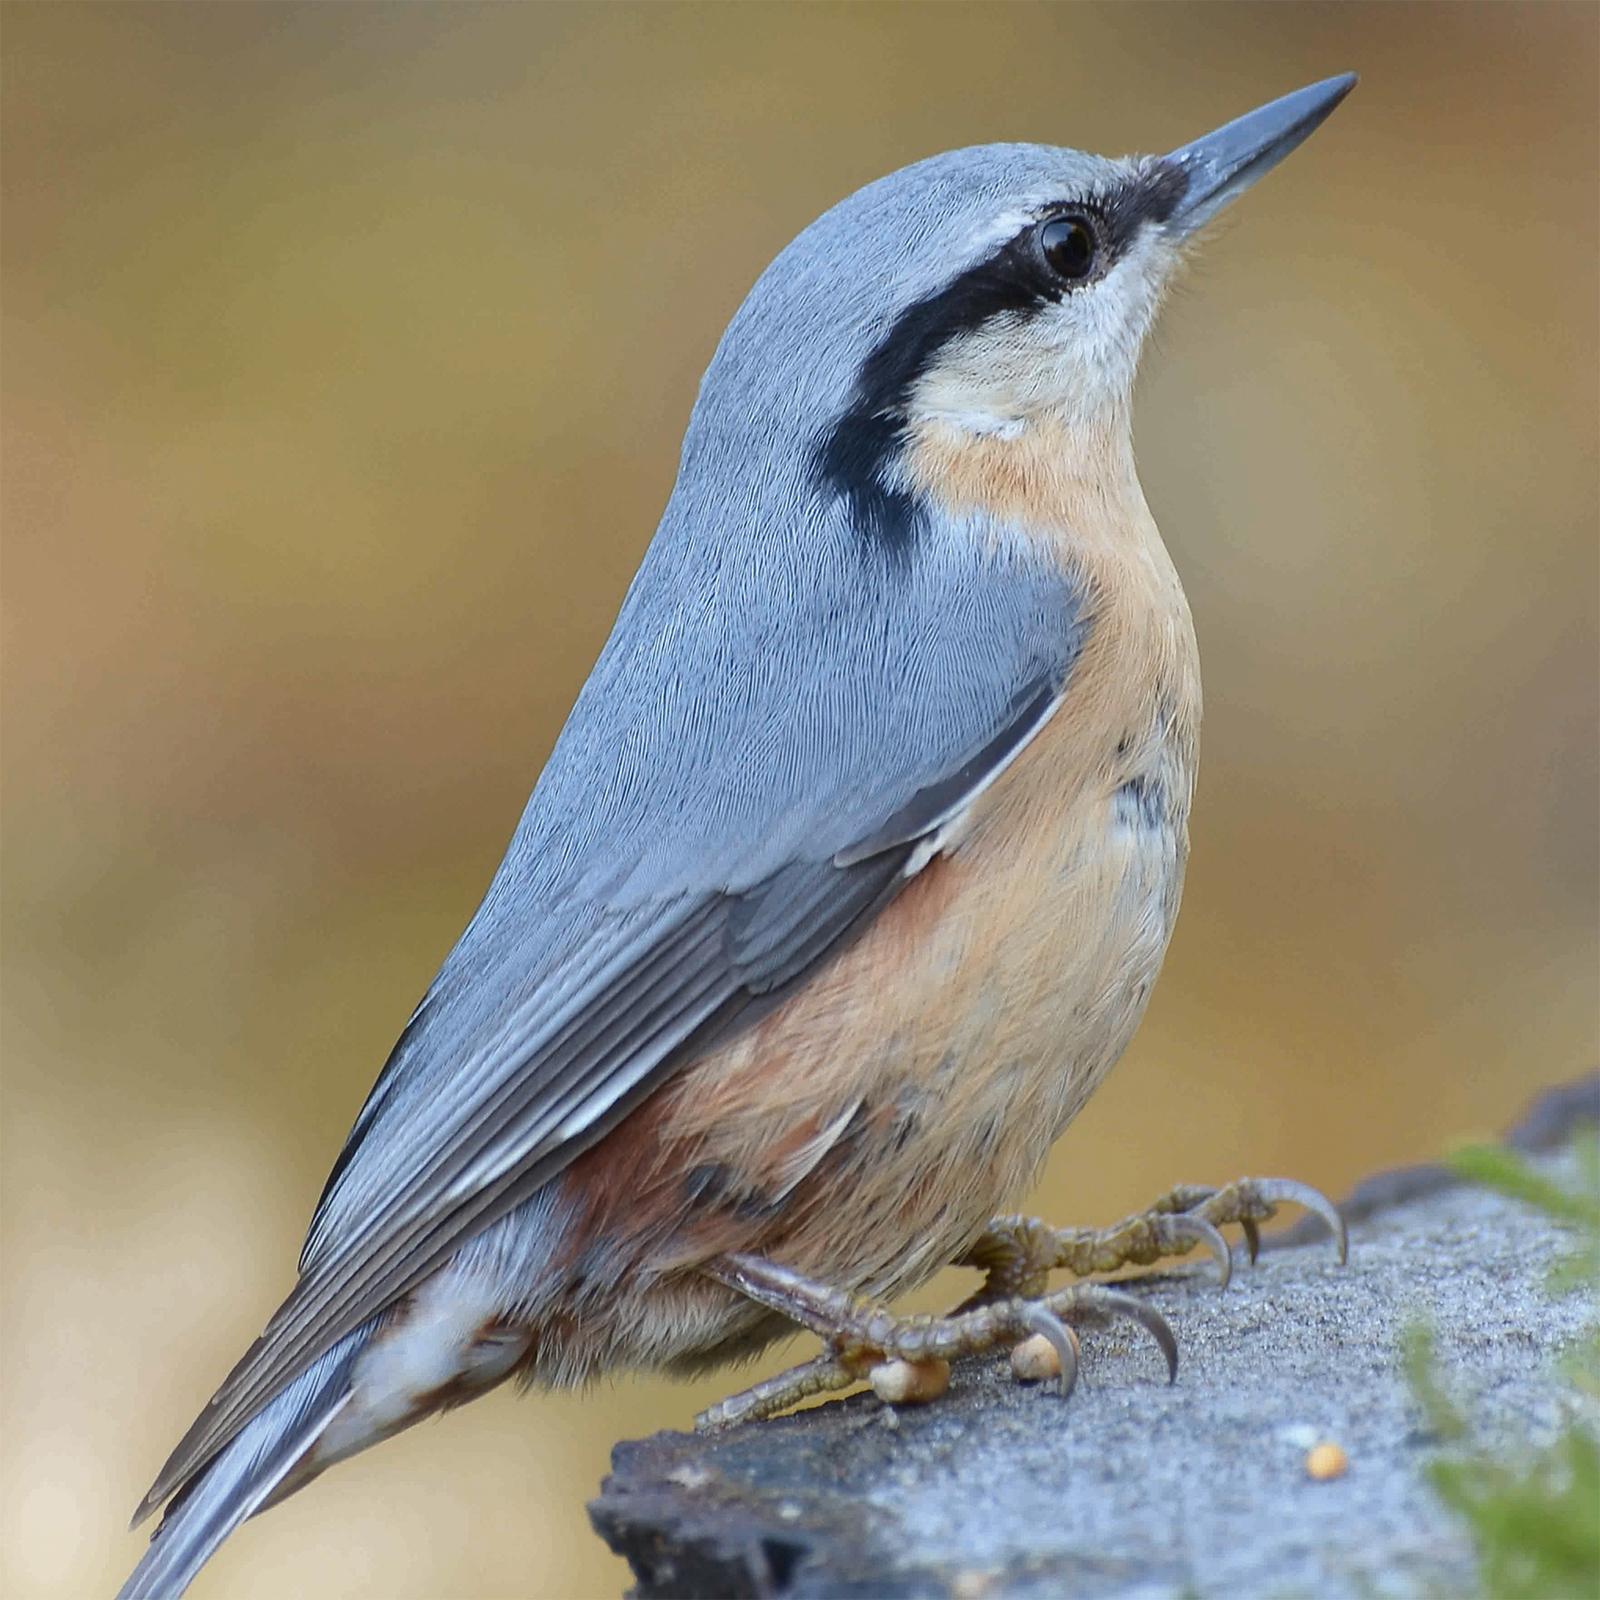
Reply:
x=346, y=355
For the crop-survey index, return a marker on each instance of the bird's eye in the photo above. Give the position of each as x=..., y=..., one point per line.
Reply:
x=1069, y=245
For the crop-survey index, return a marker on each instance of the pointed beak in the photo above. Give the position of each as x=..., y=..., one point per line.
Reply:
x=1224, y=164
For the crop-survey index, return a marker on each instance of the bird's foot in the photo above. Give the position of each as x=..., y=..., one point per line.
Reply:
x=906, y=1357
x=1018, y=1254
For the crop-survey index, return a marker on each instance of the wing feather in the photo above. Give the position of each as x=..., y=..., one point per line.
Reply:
x=604, y=1058
x=606, y=954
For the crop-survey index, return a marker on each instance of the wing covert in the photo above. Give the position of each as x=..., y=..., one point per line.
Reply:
x=708, y=829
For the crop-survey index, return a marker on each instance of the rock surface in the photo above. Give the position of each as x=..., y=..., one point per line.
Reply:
x=1134, y=1489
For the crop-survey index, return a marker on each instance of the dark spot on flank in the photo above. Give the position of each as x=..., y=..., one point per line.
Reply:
x=907, y=1121
x=989, y=1135
x=716, y=1186
x=599, y=1262
x=1141, y=803
x=756, y=1206
x=707, y=1183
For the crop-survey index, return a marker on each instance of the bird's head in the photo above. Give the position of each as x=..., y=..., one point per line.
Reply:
x=994, y=294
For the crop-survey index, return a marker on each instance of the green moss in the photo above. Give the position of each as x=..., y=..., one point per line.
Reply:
x=1535, y=1521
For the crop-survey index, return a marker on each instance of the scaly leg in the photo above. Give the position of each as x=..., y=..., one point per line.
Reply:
x=1018, y=1254
x=858, y=1334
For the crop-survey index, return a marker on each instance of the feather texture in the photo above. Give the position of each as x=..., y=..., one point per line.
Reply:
x=561, y=1010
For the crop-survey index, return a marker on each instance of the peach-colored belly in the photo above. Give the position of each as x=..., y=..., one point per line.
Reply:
x=866, y=1131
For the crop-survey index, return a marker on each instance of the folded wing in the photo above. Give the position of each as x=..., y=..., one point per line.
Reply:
x=694, y=849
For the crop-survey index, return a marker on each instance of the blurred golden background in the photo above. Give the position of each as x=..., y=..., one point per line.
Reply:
x=347, y=351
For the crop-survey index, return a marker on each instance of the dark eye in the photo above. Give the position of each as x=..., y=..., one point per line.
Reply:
x=1069, y=245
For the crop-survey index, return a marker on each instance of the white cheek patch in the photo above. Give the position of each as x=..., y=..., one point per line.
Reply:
x=983, y=382
x=984, y=424
x=1072, y=361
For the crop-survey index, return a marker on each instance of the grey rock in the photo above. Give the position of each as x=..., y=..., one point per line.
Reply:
x=1134, y=1489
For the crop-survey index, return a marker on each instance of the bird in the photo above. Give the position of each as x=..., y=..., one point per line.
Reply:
x=844, y=885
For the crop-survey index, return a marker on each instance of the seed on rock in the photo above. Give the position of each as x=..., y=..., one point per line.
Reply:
x=899, y=1383
x=1035, y=1359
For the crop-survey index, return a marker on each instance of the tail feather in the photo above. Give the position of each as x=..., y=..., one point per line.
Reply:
x=245, y=1475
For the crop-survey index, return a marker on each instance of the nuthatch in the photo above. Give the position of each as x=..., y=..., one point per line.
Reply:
x=847, y=880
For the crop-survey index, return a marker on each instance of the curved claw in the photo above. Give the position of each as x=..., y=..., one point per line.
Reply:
x=1273, y=1190
x=1037, y=1319
x=1186, y=1225
x=1148, y=1318
x=1252, y=1237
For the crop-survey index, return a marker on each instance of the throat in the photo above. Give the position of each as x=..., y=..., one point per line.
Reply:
x=1036, y=474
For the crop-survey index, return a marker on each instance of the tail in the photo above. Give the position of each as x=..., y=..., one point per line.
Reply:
x=246, y=1475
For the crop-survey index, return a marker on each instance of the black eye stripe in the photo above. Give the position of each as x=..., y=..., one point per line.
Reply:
x=855, y=456
x=1152, y=198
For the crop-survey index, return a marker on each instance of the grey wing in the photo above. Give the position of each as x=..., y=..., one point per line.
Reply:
x=595, y=968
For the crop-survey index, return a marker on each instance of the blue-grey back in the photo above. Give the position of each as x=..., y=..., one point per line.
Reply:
x=777, y=685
